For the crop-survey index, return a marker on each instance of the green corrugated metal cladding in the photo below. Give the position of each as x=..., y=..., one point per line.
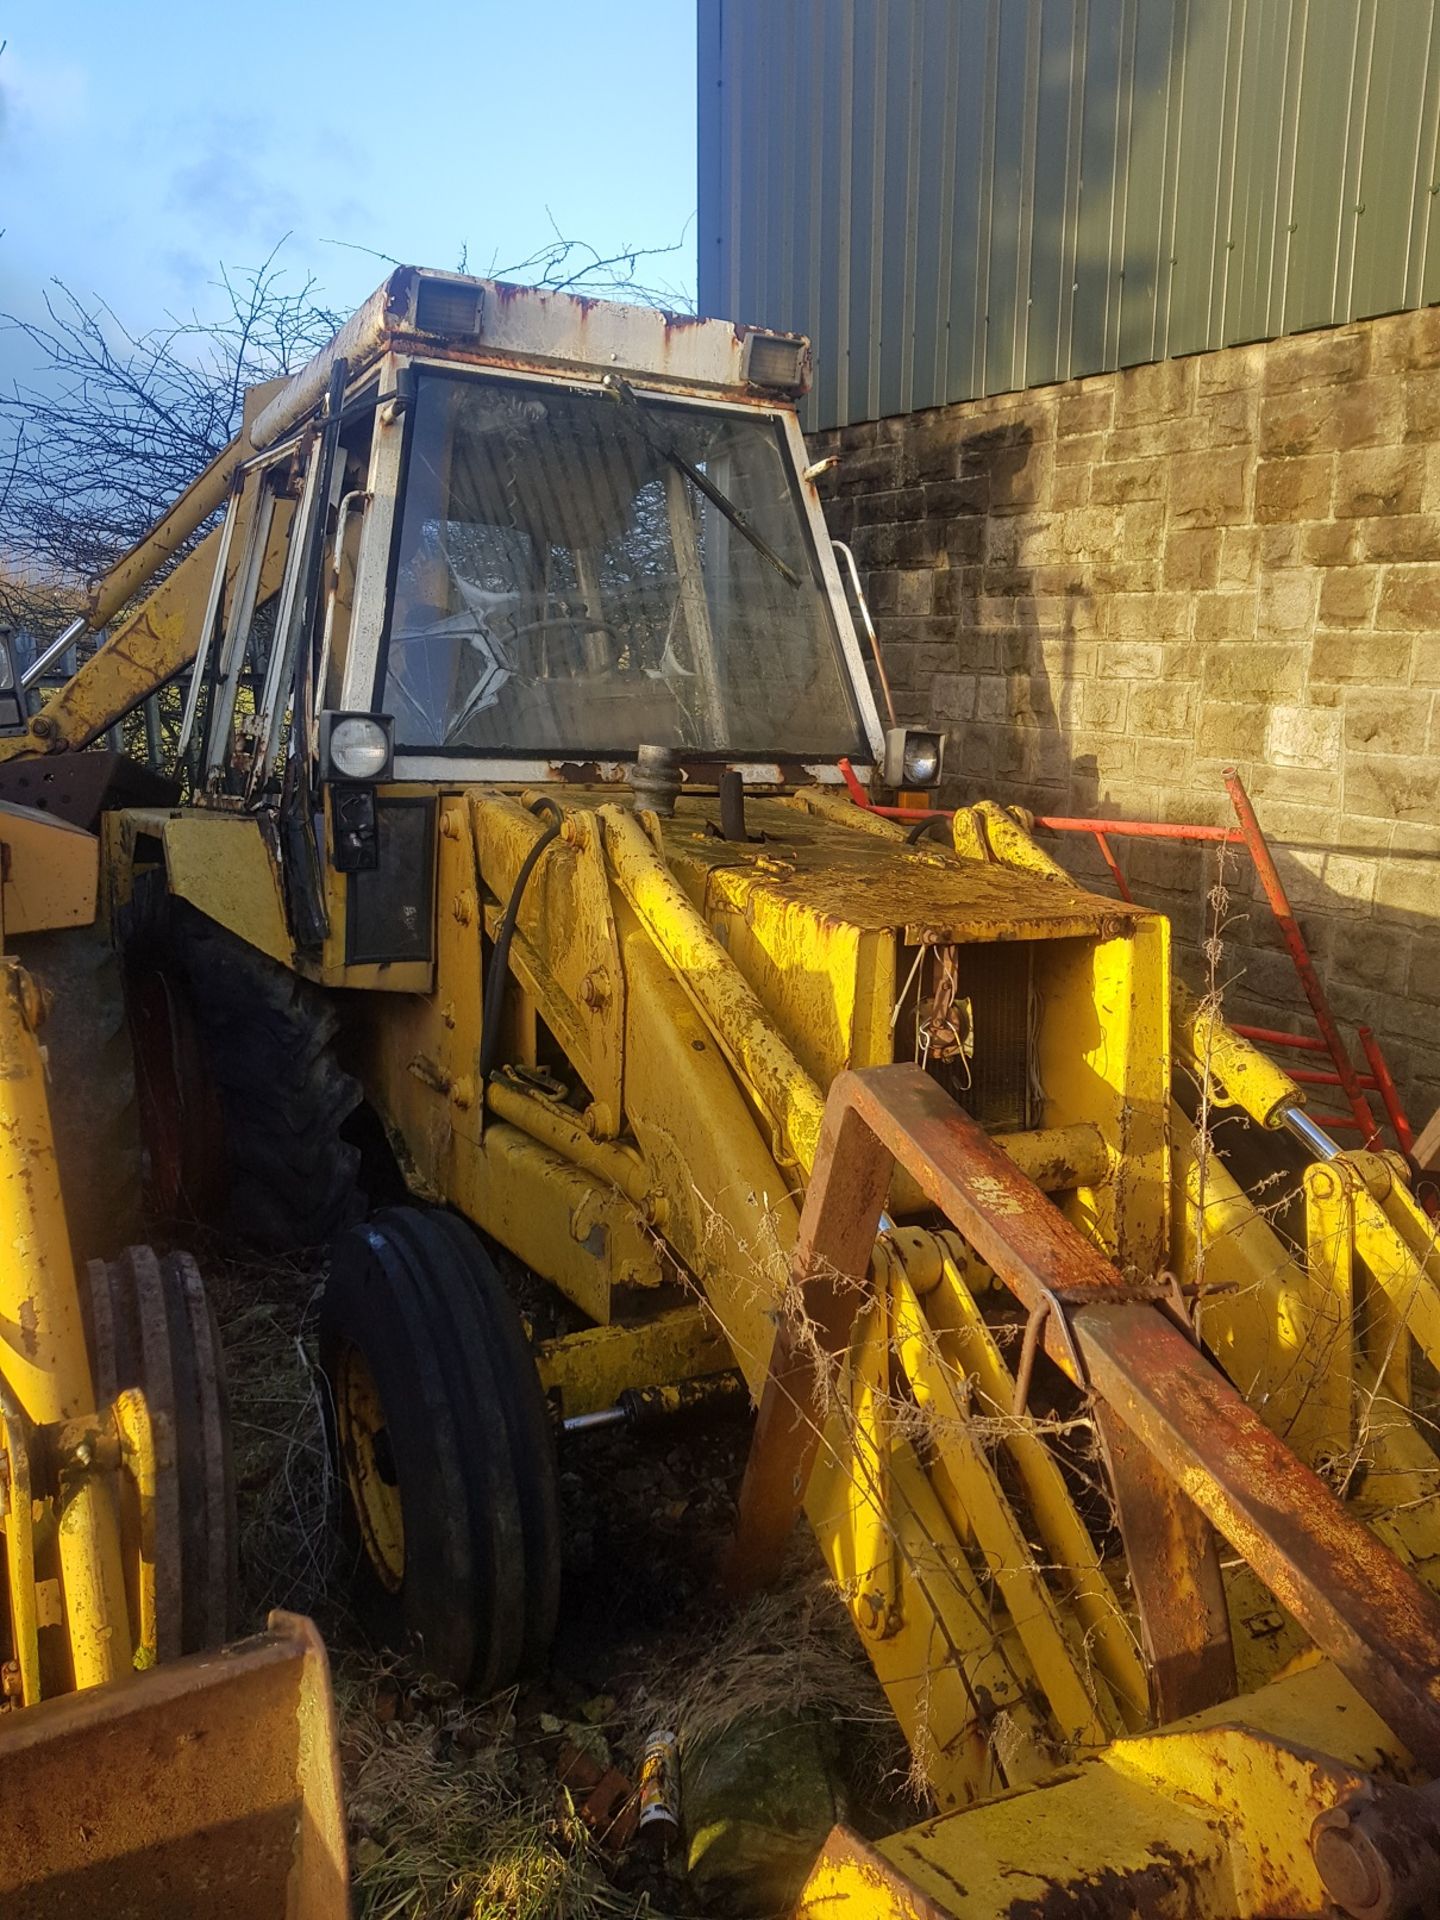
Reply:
x=957, y=197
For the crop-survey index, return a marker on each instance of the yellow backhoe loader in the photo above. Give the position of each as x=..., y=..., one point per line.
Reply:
x=511, y=905
x=127, y=1787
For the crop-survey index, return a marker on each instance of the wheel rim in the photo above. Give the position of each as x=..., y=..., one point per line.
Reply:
x=369, y=1465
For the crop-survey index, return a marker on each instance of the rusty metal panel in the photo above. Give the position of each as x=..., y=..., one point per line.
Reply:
x=963, y=199
x=212, y=1785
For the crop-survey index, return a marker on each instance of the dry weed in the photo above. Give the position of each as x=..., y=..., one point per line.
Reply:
x=794, y=1651
x=452, y=1818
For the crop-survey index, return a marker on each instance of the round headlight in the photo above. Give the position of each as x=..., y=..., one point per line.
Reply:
x=359, y=748
x=922, y=761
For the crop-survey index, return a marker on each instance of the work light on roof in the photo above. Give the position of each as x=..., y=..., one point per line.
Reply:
x=775, y=360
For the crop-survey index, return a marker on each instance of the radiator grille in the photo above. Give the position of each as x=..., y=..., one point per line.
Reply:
x=994, y=1082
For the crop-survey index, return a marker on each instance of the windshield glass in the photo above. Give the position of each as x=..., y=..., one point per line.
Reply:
x=563, y=583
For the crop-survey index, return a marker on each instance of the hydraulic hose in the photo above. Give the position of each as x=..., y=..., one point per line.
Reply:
x=918, y=832
x=500, y=959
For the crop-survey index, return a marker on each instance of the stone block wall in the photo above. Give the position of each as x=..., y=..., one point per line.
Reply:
x=1109, y=591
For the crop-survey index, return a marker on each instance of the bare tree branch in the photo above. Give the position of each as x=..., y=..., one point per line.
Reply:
x=355, y=246
x=566, y=265
x=115, y=425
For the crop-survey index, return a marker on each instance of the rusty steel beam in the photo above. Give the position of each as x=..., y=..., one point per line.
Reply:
x=1353, y=1597
x=1175, y=1576
x=829, y=1269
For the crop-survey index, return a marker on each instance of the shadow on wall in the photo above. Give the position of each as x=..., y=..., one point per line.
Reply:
x=1038, y=632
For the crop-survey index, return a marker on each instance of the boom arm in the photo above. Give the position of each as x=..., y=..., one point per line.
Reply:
x=146, y=650
x=162, y=633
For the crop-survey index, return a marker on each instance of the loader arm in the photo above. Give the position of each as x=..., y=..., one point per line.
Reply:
x=1317, y=1748
x=156, y=641
x=159, y=637
x=146, y=650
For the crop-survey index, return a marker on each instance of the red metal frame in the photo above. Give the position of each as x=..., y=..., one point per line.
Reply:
x=1121, y=884
x=1273, y=1037
x=1259, y=850
x=1249, y=834
x=1389, y=1092
x=1053, y=822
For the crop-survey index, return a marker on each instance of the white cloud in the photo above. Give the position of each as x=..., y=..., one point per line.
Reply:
x=41, y=96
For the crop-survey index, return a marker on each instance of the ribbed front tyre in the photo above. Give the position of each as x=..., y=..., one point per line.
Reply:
x=444, y=1446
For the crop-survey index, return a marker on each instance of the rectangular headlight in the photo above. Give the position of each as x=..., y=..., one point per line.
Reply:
x=778, y=360
x=447, y=306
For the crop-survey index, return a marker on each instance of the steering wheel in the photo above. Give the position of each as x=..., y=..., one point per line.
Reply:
x=575, y=622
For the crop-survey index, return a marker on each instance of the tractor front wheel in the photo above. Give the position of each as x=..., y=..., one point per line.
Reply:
x=444, y=1446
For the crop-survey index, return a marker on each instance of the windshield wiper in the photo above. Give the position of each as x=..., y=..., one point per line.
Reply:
x=622, y=390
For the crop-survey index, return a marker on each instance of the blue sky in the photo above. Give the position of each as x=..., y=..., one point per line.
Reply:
x=141, y=145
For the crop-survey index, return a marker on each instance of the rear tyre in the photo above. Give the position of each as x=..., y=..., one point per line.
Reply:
x=90, y=1073
x=267, y=1040
x=149, y=1325
x=444, y=1446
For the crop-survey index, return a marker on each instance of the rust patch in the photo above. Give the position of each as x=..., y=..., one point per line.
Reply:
x=28, y=1321
x=1116, y=1895
x=583, y=773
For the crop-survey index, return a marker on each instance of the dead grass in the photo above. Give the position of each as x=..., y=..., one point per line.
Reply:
x=793, y=1651
x=453, y=1815
x=453, y=1808
x=289, y=1540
